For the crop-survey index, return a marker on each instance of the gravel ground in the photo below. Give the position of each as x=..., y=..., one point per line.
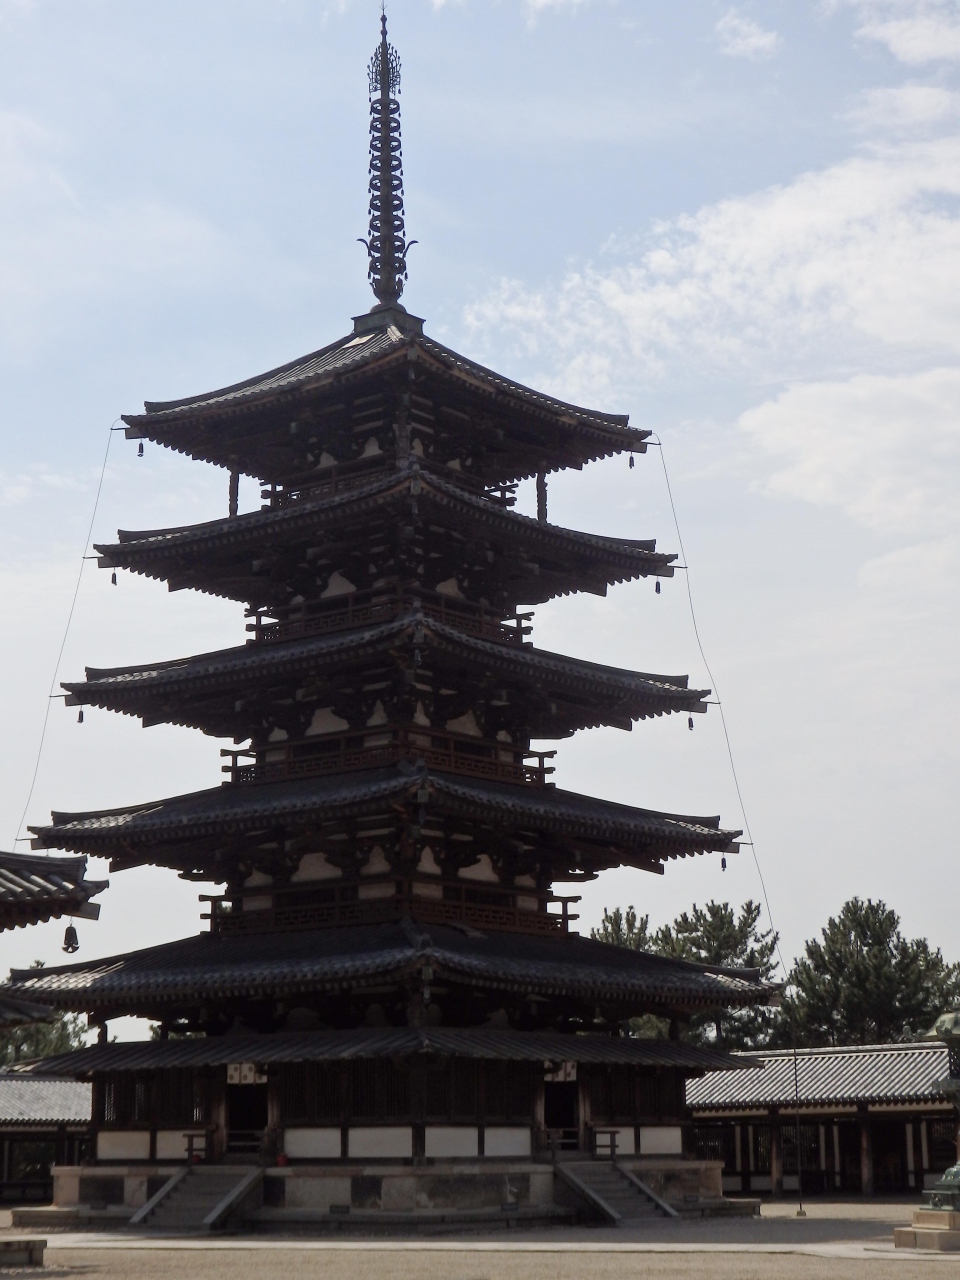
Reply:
x=836, y=1241
x=373, y=1264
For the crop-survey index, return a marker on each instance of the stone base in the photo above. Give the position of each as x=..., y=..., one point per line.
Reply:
x=934, y=1229
x=312, y=1222
x=22, y=1252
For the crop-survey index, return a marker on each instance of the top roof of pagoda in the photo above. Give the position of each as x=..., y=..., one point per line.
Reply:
x=250, y=420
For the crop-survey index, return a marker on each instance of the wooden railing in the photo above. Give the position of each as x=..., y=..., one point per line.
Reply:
x=377, y=605
x=326, y=905
x=376, y=747
x=340, y=477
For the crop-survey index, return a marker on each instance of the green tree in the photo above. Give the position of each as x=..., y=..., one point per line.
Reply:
x=713, y=935
x=65, y=1031
x=862, y=982
x=716, y=935
x=624, y=929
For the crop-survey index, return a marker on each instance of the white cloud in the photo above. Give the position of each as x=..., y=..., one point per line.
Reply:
x=915, y=31
x=885, y=450
x=907, y=108
x=741, y=37
x=828, y=271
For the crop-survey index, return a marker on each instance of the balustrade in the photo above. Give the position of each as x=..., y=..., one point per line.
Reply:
x=381, y=745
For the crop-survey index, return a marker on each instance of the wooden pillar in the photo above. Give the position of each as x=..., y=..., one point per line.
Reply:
x=542, y=496
x=866, y=1153
x=776, y=1156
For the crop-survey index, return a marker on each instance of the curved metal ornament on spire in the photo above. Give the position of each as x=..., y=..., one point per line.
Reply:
x=387, y=245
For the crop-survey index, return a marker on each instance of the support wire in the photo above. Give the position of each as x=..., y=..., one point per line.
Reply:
x=66, y=633
x=655, y=440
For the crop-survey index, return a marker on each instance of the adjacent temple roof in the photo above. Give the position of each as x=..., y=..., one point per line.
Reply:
x=878, y=1073
x=562, y=694
x=395, y=1042
x=178, y=831
x=36, y=889
x=259, y=558
x=284, y=965
x=27, y=1101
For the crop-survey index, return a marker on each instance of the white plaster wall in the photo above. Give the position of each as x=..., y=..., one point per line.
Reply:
x=172, y=1144
x=661, y=1140
x=312, y=1144
x=393, y=1142
x=626, y=1140
x=504, y=1141
x=132, y=1145
x=451, y=1140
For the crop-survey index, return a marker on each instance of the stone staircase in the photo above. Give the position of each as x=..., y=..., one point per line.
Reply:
x=618, y=1196
x=197, y=1200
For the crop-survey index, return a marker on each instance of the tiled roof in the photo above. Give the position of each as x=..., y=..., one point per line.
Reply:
x=209, y=550
x=22, y=1013
x=34, y=889
x=286, y=964
x=870, y=1073
x=400, y=1042
x=598, y=688
x=243, y=807
x=352, y=354
x=27, y=1100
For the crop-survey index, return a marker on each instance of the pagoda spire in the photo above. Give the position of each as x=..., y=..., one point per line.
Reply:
x=387, y=245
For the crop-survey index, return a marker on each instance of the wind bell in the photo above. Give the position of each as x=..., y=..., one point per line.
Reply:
x=140, y=450
x=71, y=942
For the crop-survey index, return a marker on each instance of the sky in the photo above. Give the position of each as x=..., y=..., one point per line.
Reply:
x=738, y=224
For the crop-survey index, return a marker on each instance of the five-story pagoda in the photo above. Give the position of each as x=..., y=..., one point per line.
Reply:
x=388, y=974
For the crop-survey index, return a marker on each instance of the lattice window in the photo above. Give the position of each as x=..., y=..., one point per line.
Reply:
x=649, y=1094
x=809, y=1147
x=379, y=1090
x=309, y=1093
x=510, y=1090
x=108, y=1113
x=942, y=1143
x=464, y=1090
x=761, y=1148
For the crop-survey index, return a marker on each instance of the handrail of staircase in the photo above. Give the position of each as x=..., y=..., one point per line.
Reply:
x=661, y=1204
x=145, y=1210
x=232, y=1199
x=588, y=1193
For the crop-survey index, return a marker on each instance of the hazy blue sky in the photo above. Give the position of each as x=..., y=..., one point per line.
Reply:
x=739, y=224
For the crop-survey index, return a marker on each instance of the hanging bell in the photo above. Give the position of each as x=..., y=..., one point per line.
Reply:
x=690, y=722
x=113, y=579
x=657, y=587
x=140, y=450
x=80, y=716
x=723, y=864
x=631, y=462
x=71, y=942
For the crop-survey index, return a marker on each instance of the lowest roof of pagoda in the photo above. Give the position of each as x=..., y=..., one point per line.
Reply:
x=206, y=967
x=517, y=429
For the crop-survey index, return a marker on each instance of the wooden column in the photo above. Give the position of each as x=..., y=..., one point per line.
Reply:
x=866, y=1153
x=776, y=1156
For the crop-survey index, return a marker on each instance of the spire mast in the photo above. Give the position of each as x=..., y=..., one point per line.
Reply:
x=387, y=245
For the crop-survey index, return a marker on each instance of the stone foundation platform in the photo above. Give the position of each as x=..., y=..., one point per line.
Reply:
x=936, y=1229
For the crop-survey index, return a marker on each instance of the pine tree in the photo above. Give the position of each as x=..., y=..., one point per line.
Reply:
x=712, y=935
x=862, y=982
x=64, y=1032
